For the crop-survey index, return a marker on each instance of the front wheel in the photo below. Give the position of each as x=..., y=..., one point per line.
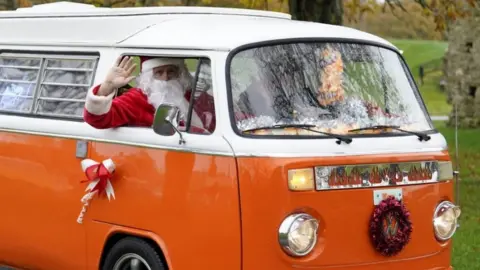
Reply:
x=133, y=254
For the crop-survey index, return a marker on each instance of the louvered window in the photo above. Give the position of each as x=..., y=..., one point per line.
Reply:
x=49, y=85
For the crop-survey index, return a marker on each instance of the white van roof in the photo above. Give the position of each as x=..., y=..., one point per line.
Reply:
x=203, y=28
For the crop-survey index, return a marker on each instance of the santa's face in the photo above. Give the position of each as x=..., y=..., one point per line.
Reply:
x=166, y=73
x=165, y=87
x=166, y=79
x=164, y=82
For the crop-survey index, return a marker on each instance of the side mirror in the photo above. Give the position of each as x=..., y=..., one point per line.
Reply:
x=166, y=121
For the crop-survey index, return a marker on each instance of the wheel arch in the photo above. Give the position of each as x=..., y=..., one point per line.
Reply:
x=117, y=234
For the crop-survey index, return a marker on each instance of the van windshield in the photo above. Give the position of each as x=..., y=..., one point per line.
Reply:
x=335, y=87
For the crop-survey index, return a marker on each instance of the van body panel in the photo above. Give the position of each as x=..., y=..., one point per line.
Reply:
x=71, y=9
x=96, y=30
x=190, y=197
x=187, y=199
x=237, y=31
x=324, y=146
x=343, y=214
x=41, y=192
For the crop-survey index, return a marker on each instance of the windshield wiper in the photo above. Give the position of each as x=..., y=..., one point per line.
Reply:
x=341, y=138
x=421, y=136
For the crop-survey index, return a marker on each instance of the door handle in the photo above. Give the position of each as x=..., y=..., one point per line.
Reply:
x=81, y=149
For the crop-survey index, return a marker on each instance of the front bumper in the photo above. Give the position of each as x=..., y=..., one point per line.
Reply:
x=437, y=261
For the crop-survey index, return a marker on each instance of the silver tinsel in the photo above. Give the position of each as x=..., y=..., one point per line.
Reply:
x=352, y=113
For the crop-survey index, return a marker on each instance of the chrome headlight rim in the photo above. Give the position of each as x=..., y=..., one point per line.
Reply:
x=448, y=205
x=285, y=228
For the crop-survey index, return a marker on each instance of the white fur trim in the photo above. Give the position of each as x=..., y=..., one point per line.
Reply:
x=98, y=105
x=158, y=62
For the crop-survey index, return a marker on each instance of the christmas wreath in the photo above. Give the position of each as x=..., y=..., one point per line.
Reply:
x=390, y=226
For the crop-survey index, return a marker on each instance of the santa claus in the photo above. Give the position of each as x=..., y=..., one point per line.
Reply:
x=161, y=81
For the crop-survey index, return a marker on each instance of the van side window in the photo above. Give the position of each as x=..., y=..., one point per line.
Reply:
x=49, y=85
x=194, y=77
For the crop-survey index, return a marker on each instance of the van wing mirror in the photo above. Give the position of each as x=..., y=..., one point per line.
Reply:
x=166, y=120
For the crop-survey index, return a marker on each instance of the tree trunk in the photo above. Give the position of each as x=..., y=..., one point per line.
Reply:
x=11, y=4
x=140, y=3
x=322, y=11
x=191, y=2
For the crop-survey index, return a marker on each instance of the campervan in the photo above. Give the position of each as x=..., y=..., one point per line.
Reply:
x=319, y=152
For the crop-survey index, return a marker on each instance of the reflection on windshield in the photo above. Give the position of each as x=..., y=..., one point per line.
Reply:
x=334, y=86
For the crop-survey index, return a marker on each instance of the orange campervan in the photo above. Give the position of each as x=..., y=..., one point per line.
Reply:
x=320, y=152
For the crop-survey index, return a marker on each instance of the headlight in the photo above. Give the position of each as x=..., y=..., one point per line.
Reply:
x=298, y=234
x=445, y=220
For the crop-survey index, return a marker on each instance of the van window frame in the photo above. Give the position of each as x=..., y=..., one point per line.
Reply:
x=174, y=53
x=44, y=57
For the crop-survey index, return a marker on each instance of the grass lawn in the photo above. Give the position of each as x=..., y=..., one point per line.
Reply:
x=417, y=52
x=466, y=243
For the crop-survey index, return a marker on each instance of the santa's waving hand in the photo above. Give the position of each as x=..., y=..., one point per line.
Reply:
x=119, y=75
x=162, y=80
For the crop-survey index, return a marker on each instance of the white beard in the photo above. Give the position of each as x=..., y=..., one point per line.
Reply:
x=171, y=93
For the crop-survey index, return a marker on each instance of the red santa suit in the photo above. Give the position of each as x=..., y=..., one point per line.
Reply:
x=137, y=107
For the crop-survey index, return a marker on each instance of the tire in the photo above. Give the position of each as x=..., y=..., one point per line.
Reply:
x=133, y=248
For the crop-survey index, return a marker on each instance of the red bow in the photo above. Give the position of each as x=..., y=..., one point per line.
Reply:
x=97, y=172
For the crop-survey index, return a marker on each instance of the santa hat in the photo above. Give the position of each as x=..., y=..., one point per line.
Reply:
x=150, y=62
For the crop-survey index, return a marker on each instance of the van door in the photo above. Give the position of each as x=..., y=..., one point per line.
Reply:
x=41, y=107
x=179, y=194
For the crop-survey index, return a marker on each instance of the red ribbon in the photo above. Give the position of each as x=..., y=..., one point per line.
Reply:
x=97, y=171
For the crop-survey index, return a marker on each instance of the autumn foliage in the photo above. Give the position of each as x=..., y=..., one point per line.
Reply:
x=413, y=23
x=426, y=19
x=442, y=12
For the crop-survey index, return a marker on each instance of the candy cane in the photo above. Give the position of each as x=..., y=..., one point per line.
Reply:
x=85, y=200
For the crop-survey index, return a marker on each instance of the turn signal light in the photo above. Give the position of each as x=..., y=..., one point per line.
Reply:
x=301, y=179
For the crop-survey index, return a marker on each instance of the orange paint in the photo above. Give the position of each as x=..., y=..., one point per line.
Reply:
x=343, y=214
x=189, y=205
